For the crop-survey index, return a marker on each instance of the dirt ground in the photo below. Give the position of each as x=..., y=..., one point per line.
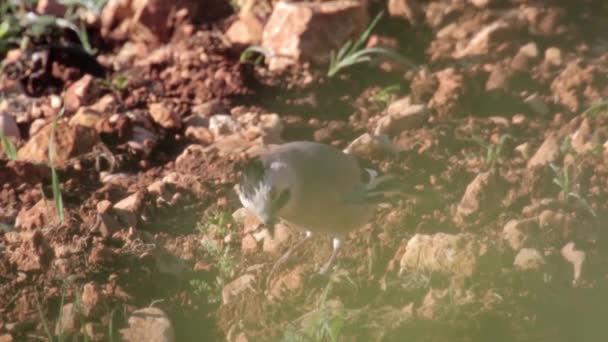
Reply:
x=500, y=236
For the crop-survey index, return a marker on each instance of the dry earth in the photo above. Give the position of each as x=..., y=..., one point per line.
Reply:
x=496, y=131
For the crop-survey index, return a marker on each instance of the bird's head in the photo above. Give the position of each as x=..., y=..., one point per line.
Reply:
x=264, y=190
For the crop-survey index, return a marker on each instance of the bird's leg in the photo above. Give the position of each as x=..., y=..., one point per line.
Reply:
x=336, y=243
x=287, y=255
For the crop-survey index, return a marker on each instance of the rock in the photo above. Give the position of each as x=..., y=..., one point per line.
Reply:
x=81, y=93
x=95, y=332
x=250, y=221
x=149, y=325
x=236, y=287
x=286, y=283
x=528, y=259
x=85, y=117
x=499, y=78
x=537, y=104
x=436, y=300
x=33, y=253
x=246, y=30
x=91, y=297
x=481, y=195
x=524, y=150
x=553, y=56
x=409, y=10
x=517, y=233
x=546, y=153
x=164, y=116
x=6, y=338
x=453, y=255
x=307, y=32
x=201, y=135
x=480, y=3
x=271, y=126
x=169, y=264
x=128, y=209
x=402, y=115
x=70, y=141
x=281, y=237
x=524, y=57
x=101, y=255
x=43, y=213
x=36, y=126
x=484, y=39
x=222, y=125
x=67, y=324
x=368, y=145
x=576, y=258
x=8, y=126
x=145, y=21
x=51, y=7
x=197, y=129
x=450, y=90
x=585, y=139
x=249, y=244
x=573, y=84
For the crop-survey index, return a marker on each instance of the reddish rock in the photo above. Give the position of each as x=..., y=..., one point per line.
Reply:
x=33, y=254
x=81, y=93
x=70, y=141
x=246, y=30
x=298, y=32
x=409, y=10
x=164, y=116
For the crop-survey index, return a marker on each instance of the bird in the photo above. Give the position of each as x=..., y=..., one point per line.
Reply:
x=313, y=187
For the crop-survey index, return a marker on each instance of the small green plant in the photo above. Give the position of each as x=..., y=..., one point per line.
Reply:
x=18, y=27
x=597, y=109
x=493, y=151
x=57, y=198
x=564, y=174
x=8, y=147
x=351, y=54
x=118, y=83
x=254, y=50
x=218, y=223
x=43, y=320
x=324, y=323
x=386, y=95
x=226, y=264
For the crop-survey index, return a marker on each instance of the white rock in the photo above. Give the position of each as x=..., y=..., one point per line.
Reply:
x=515, y=233
x=149, y=325
x=368, y=145
x=222, y=125
x=576, y=258
x=528, y=259
x=402, y=115
x=454, y=255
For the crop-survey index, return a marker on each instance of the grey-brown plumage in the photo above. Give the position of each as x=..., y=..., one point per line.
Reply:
x=310, y=186
x=323, y=178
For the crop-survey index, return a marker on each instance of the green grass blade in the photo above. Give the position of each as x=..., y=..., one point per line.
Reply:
x=43, y=320
x=363, y=38
x=8, y=147
x=57, y=198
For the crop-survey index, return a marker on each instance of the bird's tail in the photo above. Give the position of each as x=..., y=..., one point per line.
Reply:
x=379, y=188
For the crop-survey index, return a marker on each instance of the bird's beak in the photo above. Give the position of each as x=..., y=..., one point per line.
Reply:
x=269, y=224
